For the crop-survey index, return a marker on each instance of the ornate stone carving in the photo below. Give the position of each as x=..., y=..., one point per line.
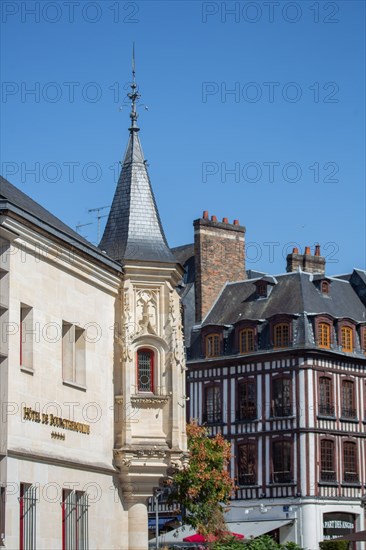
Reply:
x=146, y=312
x=149, y=401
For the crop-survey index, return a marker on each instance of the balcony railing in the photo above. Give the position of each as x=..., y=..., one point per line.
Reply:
x=282, y=410
x=327, y=475
x=247, y=413
x=326, y=409
x=247, y=479
x=212, y=417
x=350, y=477
x=282, y=477
x=349, y=413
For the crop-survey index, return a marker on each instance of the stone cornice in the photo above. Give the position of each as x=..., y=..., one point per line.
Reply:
x=43, y=248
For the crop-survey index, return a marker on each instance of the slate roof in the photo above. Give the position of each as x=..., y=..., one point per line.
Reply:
x=134, y=230
x=294, y=294
x=11, y=196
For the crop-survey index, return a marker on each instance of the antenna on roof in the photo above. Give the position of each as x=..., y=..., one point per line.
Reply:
x=99, y=217
x=82, y=225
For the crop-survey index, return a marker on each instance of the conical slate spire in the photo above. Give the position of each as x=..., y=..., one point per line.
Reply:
x=133, y=230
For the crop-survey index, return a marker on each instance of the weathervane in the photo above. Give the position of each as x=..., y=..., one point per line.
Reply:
x=134, y=96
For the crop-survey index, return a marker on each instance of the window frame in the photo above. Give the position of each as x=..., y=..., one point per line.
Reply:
x=348, y=402
x=213, y=349
x=247, y=331
x=350, y=476
x=251, y=446
x=216, y=416
x=26, y=337
x=346, y=333
x=151, y=381
x=73, y=355
x=287, y=476
x=27, y=524
x=324, y=341
x=75, y=512
x=251, y=408
x=285, y=408
x=328, y=475
x=279, y=339
x=326, y=408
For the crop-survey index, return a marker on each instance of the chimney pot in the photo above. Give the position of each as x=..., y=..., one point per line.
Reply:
x=307, y=250
x=317, y=250
x=225, y=220
x=205, y=214
x=295, y=251
x=213, y=219
x=236, y=222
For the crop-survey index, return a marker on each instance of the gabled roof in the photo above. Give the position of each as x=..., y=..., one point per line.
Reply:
x=133, y=230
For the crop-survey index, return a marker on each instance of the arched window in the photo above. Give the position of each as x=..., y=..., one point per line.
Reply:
x=281, y=335
x=327, y=469
x=145, y=370
x=350, y=471
x=213, y=345
x=347, y=339
x=324, y=335
x=246, y=340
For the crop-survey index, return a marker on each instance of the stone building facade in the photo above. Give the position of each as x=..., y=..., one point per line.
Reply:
x=92, y=371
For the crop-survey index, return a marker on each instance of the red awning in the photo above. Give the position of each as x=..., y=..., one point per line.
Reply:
x=201, y=538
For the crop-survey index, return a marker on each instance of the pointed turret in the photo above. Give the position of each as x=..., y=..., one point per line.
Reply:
x=133, y=230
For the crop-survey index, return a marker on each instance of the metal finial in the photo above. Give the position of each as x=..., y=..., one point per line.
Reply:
x=134, y=96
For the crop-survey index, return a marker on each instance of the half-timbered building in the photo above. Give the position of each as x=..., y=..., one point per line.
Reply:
x=277, y=364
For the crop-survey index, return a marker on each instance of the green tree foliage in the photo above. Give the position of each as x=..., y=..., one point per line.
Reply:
x=261, y=543
x=204, y=486
x=334, y=545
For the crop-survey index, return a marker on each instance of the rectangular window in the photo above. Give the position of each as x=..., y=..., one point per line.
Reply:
x=326, y=407
x=247, y=474
x=348, y=400
x=327, y=472
x=212, y=411
x=26, y=336
x=281, y=397
x=350, y=473
x=247, y=408
x=73, y=354
x=324, y=335
x=347, y=339
x=213, y=345
x=145, y=370
x=27, y=527
x=74, y=520
x=246, y=340
x=282, y=461
x=281, y=335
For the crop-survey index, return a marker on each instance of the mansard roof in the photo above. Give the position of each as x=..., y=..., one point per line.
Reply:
x=295, y=294
x=134, y=230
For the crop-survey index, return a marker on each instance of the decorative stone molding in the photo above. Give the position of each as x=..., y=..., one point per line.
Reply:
x=152, y=400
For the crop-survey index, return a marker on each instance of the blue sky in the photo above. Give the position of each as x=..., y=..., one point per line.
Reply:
x=255, y=112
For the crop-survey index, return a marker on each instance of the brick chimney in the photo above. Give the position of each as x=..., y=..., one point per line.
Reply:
x=219, y=258
x=307, y=262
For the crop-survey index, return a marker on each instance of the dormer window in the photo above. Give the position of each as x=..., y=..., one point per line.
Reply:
x=324, y=287
x=262, y=290
x=281, y=335
x=246, y=340
x=324, y=335
x=212, y=345
x=347, y=339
